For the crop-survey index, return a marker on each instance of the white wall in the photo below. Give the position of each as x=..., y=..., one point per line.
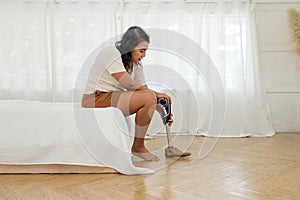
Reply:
x=279, y=63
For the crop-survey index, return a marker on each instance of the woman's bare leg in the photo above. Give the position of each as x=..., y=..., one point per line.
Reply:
x=142, y=103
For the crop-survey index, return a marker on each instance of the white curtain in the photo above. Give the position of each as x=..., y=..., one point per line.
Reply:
x=44, y=44
x=25, y=70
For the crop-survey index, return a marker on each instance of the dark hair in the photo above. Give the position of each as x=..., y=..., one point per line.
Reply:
x=131, y=38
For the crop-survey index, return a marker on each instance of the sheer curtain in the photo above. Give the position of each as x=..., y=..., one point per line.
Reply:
x=225, y=30
x=76, y=30
x=43, y=45
x=24, y=61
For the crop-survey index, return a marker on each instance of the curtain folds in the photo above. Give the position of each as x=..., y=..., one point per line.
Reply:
x=44, y=44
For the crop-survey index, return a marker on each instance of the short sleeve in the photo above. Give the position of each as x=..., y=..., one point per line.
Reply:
x=112, y=61
x=116, y=66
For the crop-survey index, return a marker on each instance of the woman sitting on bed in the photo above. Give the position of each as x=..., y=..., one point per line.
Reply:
x=117, y=80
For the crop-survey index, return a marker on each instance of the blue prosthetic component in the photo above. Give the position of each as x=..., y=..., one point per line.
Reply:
x=166, y=109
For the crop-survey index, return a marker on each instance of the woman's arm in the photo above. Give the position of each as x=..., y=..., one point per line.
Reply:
x=126, y=81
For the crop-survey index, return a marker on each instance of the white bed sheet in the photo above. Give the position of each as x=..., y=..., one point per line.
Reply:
x=33, y=132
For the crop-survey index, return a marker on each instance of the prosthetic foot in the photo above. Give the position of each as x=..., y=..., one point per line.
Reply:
x=170, y=151
x=174, y=152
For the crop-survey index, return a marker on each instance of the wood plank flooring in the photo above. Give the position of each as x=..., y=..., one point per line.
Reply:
x=237, y=168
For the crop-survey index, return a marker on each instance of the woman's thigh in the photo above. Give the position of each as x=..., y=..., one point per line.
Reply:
x=128, y=102
x=132, y=101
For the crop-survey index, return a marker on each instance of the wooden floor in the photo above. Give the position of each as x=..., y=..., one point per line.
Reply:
x=237, y=168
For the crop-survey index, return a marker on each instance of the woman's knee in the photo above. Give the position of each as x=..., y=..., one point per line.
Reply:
x=149, y=97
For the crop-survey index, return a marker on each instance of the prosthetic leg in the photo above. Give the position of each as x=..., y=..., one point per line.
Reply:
x=165, y=113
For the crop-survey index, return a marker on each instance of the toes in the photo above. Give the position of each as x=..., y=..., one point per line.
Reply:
x=147, y=156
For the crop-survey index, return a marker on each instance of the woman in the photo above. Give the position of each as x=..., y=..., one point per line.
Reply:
x=117, y=80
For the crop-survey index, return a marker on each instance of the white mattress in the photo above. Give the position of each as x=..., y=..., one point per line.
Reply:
x=34, y=132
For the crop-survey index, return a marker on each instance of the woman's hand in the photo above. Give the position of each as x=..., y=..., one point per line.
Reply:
x=163, y=95
x=170, y=122
x=159, y=110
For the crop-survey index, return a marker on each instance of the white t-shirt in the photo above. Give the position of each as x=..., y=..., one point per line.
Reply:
x=108, y=62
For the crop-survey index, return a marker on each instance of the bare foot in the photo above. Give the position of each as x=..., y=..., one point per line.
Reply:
x=144, y=154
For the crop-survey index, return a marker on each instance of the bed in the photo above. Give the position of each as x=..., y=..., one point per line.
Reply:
x=50, y=137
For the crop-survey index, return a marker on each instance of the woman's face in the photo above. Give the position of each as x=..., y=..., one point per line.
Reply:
x=139, y=51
